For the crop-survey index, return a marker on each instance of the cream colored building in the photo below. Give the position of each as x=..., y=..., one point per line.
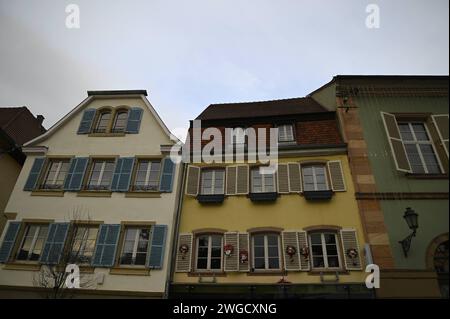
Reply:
x=98, y=188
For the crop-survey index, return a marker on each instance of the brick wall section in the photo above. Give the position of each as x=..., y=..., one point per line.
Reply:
x=318, y=132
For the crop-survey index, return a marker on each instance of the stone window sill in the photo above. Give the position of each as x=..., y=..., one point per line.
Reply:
x=45, y=192
x=207, y=274
x=22, y=266
x=318, y=272
x=129, y=271
x=106, y=134
x=142, y=194
x=266, y=273
x=94, y=194
x=426, y=176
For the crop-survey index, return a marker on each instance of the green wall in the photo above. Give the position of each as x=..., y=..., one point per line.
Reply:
x=433, y=214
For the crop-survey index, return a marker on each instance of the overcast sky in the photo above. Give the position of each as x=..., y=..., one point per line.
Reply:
x=189, y=54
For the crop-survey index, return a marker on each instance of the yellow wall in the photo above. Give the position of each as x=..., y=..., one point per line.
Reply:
x=289, y=212
x=9, y=171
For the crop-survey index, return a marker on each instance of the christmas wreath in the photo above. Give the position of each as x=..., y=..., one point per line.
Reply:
x=243, y=256
x=228, y=250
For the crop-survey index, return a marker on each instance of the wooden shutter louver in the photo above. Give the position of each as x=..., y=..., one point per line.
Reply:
x=242, y=180
x=290, y=239
x=54, y=244
x=231, y=262
x=441, y=123
x=122, y=174
x=244, y=245
x=86, y=121
x=34, y=174
x=295, y=178
x=395, y=142
x=167, y=175
x=134, y=120
x=183, y=260
x=231, y=172
x=283, y=178
x=303, y=243
x=336, y=176
x=157, y=248
x=192, y=180
x=106, y=246
x=8, y=241
x=349, y=241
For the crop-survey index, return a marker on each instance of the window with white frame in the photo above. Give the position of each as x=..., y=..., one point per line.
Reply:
x=120, y=121
x=419, y=148
x=285, y=133
x=55, y=174
x=32, y=242
x=314, y=178
x=135, y=246
x=103, y=121
x=324, y=250
x=262, y=183
x=212, y=181
x=83, y=245
x=209, y=252
x=147, y=175
x=100, y=175
x=266, y=251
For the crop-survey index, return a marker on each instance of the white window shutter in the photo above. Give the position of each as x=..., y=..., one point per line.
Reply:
x=303, y=244
x=349, y=240
x=244, y=246
x=290, y=239
x=395, y=142
x=183, y=259
x=336, y=176
x=441, y=123
x=283, y=179
x=242, y=180
x=231, y=172
x=192, y=180
x=231, y=262
x=295, y=178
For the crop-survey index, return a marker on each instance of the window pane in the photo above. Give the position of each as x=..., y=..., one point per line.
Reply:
x=333, y=262
x=274, y=263
x=215, y=263
x=430, y=159
x=414, y=158
x=420, y=132
x=329, y=238
x=140, y=259
x=259, y=263
x=318, y=262
x=203, y=252
x=258, y=240
x=331, y=250
x=273, y=251
x=216, y=252
x=120, y=121
x=317, y=249
x=272, y=240
x=405, y=132
x=202, y=263
x=216, y=241
x=258, y=251
x=203, y=241
x=103, y=122
x=316, y=239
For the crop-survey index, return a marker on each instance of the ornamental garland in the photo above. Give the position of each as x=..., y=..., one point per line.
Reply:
x=228, y=250
x=304, y=251
x=352, y=253
x=291, y=251
x=243, y=256
x=183, y=249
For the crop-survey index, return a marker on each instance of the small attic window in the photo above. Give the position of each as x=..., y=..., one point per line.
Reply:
x=120, y=121
x=102, y=122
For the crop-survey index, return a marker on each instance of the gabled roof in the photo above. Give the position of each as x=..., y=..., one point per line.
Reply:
x=304, y=105
x=19, y=124
x=101, y=94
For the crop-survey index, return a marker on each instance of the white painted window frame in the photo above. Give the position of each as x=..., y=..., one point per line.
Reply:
x=313, y=166
x=266, y=252
x=288, y=133
x=324, y=250
x=33, y=241
x=208, y=258
x=417, y=143
x=263, y=181
x=135, y=246
x=58, y=170
x=213, y=182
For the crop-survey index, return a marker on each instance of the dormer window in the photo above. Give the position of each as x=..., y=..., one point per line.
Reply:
x=120, y=121
x=103, y=122
x=285, y=133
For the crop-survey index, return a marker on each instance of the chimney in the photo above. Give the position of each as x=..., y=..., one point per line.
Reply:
x=40, y=118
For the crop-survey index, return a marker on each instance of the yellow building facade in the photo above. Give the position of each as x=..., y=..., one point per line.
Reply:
x=295, y=233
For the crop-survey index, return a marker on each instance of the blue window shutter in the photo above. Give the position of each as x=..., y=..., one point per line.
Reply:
x=86, y=121
x=74, y=178
x=9, y=241
x=156, y=258
x=33, y=177
x=168, y=169
x=134, y=120
x=122, y=174
x=105, y=248
x=54, y=245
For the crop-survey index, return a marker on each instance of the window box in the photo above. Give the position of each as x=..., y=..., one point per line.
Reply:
x=318, y=195
x=263, y=197
x=216, y=198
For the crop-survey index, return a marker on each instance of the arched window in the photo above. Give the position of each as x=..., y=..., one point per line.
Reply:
x=103, y=122
x=440, y=261
x=120, y=121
